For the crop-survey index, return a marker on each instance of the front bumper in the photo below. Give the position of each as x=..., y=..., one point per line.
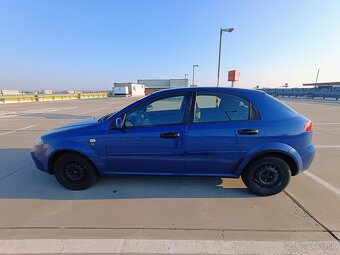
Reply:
x=38, y=154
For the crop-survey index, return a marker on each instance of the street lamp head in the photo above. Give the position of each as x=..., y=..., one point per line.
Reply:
x=229, y=30
x=196, y=65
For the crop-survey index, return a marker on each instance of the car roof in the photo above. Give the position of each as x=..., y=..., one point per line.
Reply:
x=268, y=107
x=239, y=91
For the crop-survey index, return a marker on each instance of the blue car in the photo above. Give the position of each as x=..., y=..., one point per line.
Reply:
x=197, y=131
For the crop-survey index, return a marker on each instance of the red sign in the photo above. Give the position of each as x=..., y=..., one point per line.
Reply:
x=233, y=75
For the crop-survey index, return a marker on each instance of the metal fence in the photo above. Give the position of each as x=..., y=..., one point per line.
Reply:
x=317, y=93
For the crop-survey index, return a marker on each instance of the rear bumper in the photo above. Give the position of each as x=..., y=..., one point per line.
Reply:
x=303, y=157
x=307, y=157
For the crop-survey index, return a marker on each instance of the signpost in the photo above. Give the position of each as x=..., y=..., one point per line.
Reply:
x=233, y=75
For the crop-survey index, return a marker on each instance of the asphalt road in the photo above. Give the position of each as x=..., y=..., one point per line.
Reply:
x=168, y=209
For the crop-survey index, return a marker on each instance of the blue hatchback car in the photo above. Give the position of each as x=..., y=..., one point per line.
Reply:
x=221, y=132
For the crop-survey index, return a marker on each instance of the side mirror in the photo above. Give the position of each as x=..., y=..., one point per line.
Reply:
x=119, y=123
x=149, y=108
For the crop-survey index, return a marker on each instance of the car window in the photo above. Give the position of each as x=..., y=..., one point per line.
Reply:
x=282, y=104
x=166, y=104
x=220, y=107
x=208, y=101
x=169, y=110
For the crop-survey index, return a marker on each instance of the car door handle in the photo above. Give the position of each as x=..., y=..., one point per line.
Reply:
x=248, y=131
x=170, y=135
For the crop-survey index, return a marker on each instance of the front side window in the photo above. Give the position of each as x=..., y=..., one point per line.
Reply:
x=220, y=108
x=165, y=111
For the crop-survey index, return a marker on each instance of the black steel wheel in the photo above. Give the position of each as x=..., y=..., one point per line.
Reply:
x=74, y=171
x=266, y=176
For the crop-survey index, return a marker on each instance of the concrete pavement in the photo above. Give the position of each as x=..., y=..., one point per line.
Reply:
x=34, y=206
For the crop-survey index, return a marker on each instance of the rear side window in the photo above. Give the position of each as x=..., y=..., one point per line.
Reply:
x=282, y=104
x=220, y=108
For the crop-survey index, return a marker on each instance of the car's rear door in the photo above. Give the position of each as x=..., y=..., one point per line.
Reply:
x=152, y=140
x=221, y=131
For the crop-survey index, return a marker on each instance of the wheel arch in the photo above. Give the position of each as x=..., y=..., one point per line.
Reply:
x=281, y=150
x=53, y=158
x=293, y=165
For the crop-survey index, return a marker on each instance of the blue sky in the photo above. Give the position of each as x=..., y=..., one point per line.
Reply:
x=47, y=44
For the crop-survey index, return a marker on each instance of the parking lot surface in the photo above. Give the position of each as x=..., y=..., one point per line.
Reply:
x=34, y=206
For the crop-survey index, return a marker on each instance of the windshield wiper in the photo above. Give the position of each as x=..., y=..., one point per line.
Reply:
x=106, y=117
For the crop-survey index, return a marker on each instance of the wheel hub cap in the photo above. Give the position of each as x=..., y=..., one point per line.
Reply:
x=75, y=171
x=267, y=176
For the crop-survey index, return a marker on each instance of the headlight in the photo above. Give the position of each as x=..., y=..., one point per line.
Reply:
x=39, y=141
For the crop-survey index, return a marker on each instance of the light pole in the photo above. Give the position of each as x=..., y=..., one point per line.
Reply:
x=317, y=76
x=228, y=30
x=185, y=78
x=193, y=74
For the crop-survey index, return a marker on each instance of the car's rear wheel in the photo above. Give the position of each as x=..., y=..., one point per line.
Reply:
x=266, y=176
x=74, y=171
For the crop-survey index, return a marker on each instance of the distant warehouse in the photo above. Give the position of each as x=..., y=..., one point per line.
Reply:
x=152, y=85
x=128, y=89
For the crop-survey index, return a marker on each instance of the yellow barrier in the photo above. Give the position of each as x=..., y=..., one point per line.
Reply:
x=92, y=95
x=51, y=97
x=17, y=99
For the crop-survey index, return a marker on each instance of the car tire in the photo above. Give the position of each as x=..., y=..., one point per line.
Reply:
x=266, y=176
x=74, y=171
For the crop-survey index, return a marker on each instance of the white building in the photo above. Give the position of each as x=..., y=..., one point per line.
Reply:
x=73, y=92
x=152, y=85
x=10, y=92
x=47, y=92
x=128, y=89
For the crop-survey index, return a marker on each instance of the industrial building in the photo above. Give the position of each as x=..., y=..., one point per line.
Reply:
x=128, y=89
x=152, y=85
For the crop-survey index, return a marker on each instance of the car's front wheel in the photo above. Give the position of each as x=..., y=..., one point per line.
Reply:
x=74, y=171
x=266, y=176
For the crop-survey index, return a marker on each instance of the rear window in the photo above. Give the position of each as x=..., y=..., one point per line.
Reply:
x=282, y=104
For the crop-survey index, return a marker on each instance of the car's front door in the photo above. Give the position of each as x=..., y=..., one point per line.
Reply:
x=152, y=139
x=223, y=128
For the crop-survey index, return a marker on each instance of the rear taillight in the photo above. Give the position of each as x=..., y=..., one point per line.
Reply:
x=308, y=126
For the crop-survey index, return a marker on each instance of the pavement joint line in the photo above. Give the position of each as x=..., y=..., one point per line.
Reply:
x=19, y=129
x=34, y=111
x=6, y=112
x=326, y=123
x=166, y=246
x=311, y=216
x=326, y=132
x=27, y=117
x=8, y=116
x=15, y=171
x=167, y=229
x=29, y=130
x=326, y=146
x=95, y=110
x=44, y=110
x=311, y=101
x=323, y=183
